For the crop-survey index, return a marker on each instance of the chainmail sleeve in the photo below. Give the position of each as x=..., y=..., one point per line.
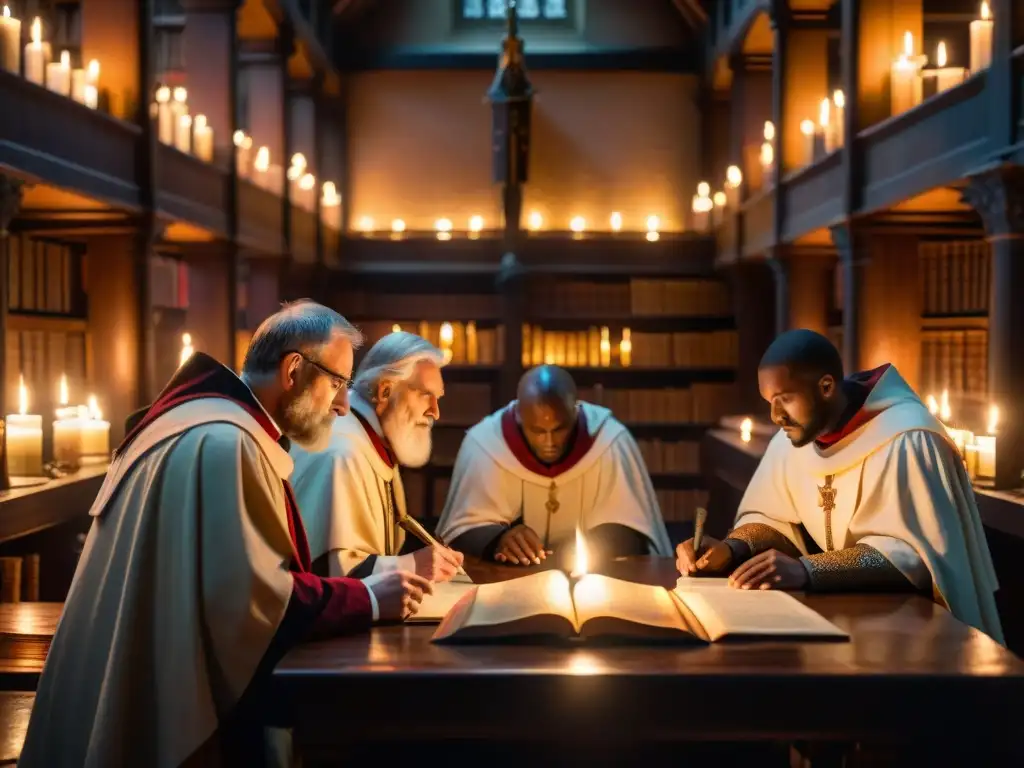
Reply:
x=752, y=539
x=859, y=567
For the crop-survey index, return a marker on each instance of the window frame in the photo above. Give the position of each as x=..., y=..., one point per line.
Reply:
x=461, y=23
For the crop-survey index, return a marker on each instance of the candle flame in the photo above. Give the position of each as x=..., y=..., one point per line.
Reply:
x=703, y=189
x=447, y=335
x=986, y=12
x=746, y=427
x=767, y=154
x=22, y=395
x=769, y=130
x=187, y=349
x=299, y=161
x=535, y=221
x=163, y=94
x=396, y=328
x=63, y=397
x=238, y=138
x=94, y=408
x=476, y=223
x=807, y=128
x=397, y=226
x=582, y=560
x=307, y=182
x=993, y=419
x=839, y=99
x=719, y=199
x=366, y=223
x=180, y=94
x=37, y=31
x=186, y=121
x=933, y=404
x=65, y=59
x=616, y=221
x=733, y=176
x=940, y=54
x=908, y=43
x=945, y=412
x=262, y=162
x=653, y=223
x=443, y=225
x=7, y=12
x=578, y=224
x=824, y=112
x=94, y=70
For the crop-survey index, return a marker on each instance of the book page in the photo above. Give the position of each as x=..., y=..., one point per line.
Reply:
x=727, y=612
x=545, y=592
x=600, y=597
x=436, y=606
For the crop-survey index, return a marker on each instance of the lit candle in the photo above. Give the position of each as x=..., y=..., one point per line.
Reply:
x=202, y=139
x=905, y=81
x=58, y=75
x=981, y=40
x=606, y=348
x=945, y=412
x=243, y=152
x=534, y=221
x=746, y=427
x=187, y=350
x=444, y=229
x=719, y=201
x=261, y=168
x=366, y=224
x=838, y=119
x=164, y=116
x=10, y=42
x=396, y=328
x=733, y=179
x=824, y=130
x=95, y=435
x=767, y=158
x=397, y=226
x=577, y=224
x=701, y=207
x=946, y=77
x=24, y=438
x=92, y=85
x=79, y=82
x=616, y=222
x=183, y=134
x=933, y=405
x=446, y=337
x=37, y=55
x=307, y=192
x=67, y=435
x=330, y=205
x=810, y=141
x=626, y=349
x=179, y=109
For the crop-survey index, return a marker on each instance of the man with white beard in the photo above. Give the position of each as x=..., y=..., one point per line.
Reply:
x=351, y=495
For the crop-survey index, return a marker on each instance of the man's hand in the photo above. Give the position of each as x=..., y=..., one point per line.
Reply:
x=770, y=570
x=520, y=546
x=398, y=593
x=436, y=563
x=714, y=559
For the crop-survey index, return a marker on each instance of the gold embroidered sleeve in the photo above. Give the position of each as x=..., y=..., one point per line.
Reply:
x=760, y=537
x=855, y=568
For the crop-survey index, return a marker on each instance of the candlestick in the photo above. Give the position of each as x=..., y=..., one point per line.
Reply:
x=838, y=119
x=981, y=40
x=183, y=134
x=10, y=42
x=24, y=438
x=58, y=75
x=946, y=77
x=733, y=179
x=37, y=55
x=905, y=81
x=810, y=142
x=202, y=139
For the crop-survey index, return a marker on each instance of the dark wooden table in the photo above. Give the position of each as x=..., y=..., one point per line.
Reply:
x=910, y=672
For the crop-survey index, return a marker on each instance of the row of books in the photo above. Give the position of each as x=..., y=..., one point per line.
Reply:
x=641, y=297
x=467, y=343
x=596, y=348
x=670, y=456
x=955, y=277
x=954, y=360
x=43, y=276
x=42, y=357
x=680, y=506
x=696, y=404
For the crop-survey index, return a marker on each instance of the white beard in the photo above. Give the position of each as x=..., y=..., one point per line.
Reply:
x=411, y=441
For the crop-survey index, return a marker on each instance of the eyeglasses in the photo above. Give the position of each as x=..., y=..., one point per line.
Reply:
x=337, y=380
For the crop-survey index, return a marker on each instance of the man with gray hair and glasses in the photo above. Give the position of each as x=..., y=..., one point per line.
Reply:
x=351, y=495
x=196, y=577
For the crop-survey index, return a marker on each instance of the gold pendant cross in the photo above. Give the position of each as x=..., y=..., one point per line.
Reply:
x=552, y=504
x=827, y=502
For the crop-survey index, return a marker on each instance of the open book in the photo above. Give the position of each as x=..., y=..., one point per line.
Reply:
x=549, y=604
x=435, y=607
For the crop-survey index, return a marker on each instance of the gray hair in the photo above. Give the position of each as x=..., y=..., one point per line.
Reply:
x=299, y=326
x=394, y=357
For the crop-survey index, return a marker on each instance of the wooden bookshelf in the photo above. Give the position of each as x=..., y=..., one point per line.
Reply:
x=566, y=295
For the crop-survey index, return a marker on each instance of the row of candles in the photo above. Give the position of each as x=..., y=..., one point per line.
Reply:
x=977, y=451
x=707, y=209
x=80, y=84
x=80, y=434
x=444, y=227
x=179, y=129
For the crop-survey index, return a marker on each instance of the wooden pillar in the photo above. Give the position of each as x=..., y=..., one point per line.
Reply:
x=754, y=301
x=262, y=70
x=848, y=51
x=210, y=284
x=750, y=106
x=11, y=194
x=1001, y=86
x=805, y=85
x=809, y=290
x=210, y=47
x=263, y=290
x=997, y=194
x=881, y=25
x=848, y=241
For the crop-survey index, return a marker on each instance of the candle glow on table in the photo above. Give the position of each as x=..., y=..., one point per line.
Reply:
x=37, y=55
x=946, y=77
x=24, y=437
x=906, y=86
x=981, y=40
x=58, y=75
x=10, y=42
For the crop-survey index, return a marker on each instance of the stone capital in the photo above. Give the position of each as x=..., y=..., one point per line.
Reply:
x=997, y=194
x=11, y=193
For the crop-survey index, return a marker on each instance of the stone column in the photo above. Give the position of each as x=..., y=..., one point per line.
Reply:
x=997, y=194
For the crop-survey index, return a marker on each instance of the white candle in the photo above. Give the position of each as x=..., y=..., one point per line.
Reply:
x=261, y=168
x=946, y=77
x=606, y=348
x=905, y=81
x=986, y=447
x=824, y=128
x=183, y=134
x=243, y=153
x=720, y=202
x=701, y=207
x=37, y=55
x=92, y=96
x=58, y=75
x=67, y=435
x=810, y=141
x=202, y=139
x=24, y=438
x=95, y=435
x=981, y=40
x=92, y=85
x=79, y=82
x=838, y=119
x=179, y=109
x=626, y=349
x=306, y=198
x=10, y=42
x=330, y=207
x=164, y=116
x=733, y=179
